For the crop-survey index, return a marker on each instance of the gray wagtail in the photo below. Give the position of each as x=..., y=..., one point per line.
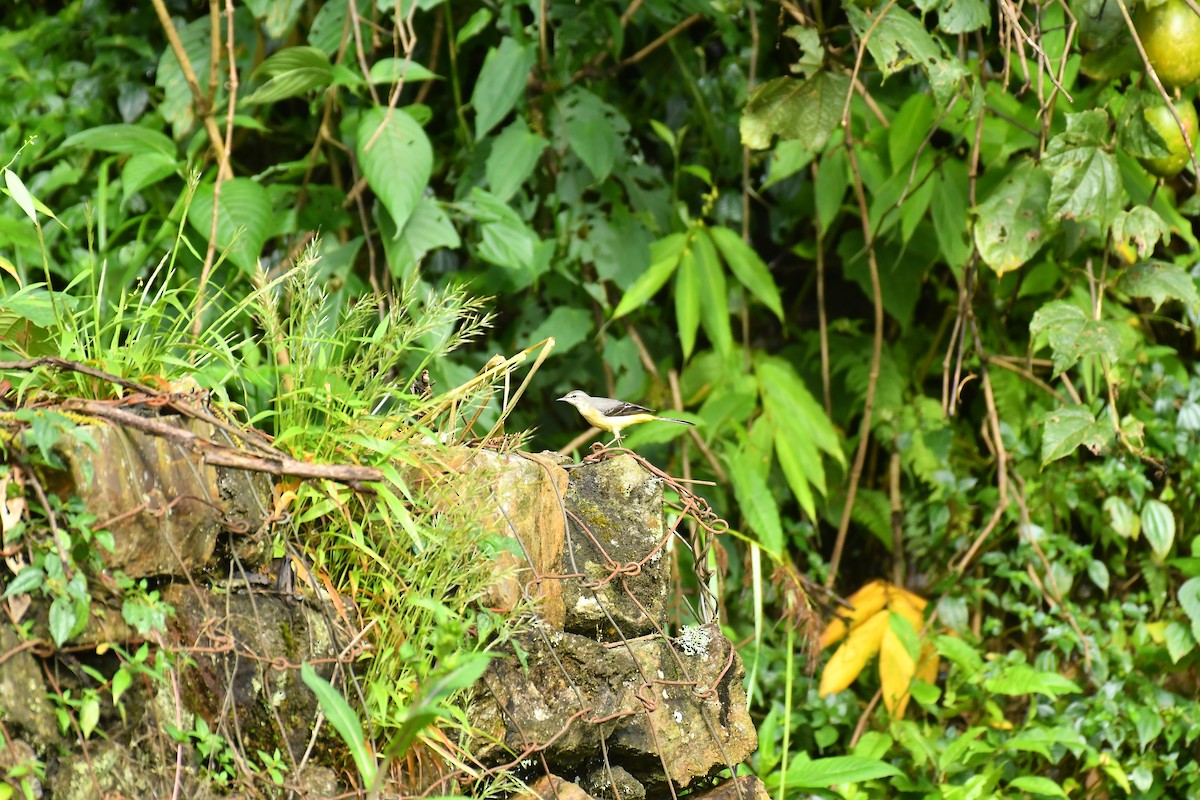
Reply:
x=612, y=415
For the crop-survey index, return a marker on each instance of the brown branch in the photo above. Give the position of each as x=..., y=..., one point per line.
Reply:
x=203, y=107
x=352, y=475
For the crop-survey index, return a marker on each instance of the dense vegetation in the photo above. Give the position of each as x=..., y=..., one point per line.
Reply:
x=910, y=266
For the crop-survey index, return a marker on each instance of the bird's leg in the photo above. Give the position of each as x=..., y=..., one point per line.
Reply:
x=617, y=440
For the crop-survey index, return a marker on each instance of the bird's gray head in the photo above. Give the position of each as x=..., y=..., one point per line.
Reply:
x=575, y=397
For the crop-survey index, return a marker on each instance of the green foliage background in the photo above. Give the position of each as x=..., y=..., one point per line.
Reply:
x=899, y=261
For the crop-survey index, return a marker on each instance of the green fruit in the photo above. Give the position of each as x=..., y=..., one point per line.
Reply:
x=1170, y=32
x=1159, y=118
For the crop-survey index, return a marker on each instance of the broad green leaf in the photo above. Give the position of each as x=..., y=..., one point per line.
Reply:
x=398, y=162
x=591, y=131
x=948, y=208
x=1180, y=640
x=1021, y=679
x=1189, y=601
x=1121, y=517
x=330, y=25
x=1070, y=427
x=807, y=111
x=515, y=153
x=963, y=655
x=1098, y=572
x=62, y=620
x=89, y=715
x=899, y=40
x=756, y=501
x=290, y=59
x=501, y=83
x=121, y=681
x=295, y=83
x=1158, y=525
x=394, y=70
x=833, y=179
x=1012, y=224
x=1035, y=784
x=1073, y=335
x=28, y=579
x=145, y=169
x=1160, y=281
x=569, y=327
x=664, y=258
x=427, y=229
x=1086, y=182
x=1136, y=232
x=243, y=222
x=687, y=299
x=714, y=303
x=910, y=126
x=748, y=268
x=123, y=139
x=18, y=192
x=505, y=239
x=344, y=721
x=473, y=26
x=278, y=16
x=821, y=773
x=962, y=16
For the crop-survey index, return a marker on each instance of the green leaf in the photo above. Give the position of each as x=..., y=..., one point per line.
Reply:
x=910, y=126
x=473, y=27
x=1072, y=334
x=1098, y=572
x=1158, y=525
x=18, y=192
x=296, y=83
x=123, y=139
x=898, y=40
x=243, y=222
x=505, y=239
x=344, y=721
x=28, y=579
x=807, y=111
x=428, y=229
x=948, y=207
x=569, y=327
x=1011, y=224
x=1121, y=517
x=1021, y=679
x=501, y=83
x=1070, y=427
x=398, y=163
x=754, y=498
x=687, y=299
x=960, y=653
x=589, y=125
x=394, y=70
x=62, y=620
x=121, y=681
x=821, y=773
x=962, y=16
x=89, y=715
x=833, y=178
x=1139, y=228
x=145, y=169
x=748, y=268
x=515, y=153
x=277, y=16
x=1160, y=281
x=1189, y=601
x=1086, y=182
x=1181, y=640
x=1035, y=784
x=664, y=258
x=714, y=299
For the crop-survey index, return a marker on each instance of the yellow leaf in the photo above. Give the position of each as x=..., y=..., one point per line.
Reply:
x=902, y=603
x=927, y=668
x=896, y=670
x=864, y=605
x=849, y=659
x=915, y=600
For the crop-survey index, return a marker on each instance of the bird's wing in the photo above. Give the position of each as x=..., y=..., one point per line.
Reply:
x=619, y=408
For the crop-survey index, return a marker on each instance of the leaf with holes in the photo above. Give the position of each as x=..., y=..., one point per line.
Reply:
x=1012, y=224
